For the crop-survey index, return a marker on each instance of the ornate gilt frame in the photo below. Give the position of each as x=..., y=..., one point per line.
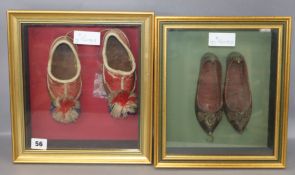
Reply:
x=278, y=159
x=143, y=154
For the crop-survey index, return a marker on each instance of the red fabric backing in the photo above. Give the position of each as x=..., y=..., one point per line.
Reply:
x=95, y=122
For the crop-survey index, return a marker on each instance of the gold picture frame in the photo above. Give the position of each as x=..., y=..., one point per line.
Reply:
x=24, y=40
x=179, y=140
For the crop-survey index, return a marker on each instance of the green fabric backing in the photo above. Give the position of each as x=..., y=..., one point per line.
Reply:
x=184, y=52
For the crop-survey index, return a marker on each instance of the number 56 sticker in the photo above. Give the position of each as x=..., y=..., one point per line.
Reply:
x=37, y=143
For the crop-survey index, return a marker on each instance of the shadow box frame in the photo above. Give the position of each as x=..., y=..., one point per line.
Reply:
x=142, y=153
x=169, y=149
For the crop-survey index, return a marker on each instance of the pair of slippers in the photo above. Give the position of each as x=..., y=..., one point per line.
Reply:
x=64, y=77
x=235, y=98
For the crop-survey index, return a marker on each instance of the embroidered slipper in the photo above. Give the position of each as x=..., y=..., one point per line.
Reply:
x=119, y=75
x=64, y=80
x=237, y=93
x=208, y=101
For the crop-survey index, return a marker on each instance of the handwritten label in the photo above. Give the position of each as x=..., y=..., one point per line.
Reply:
x=265, y=30
x=87, y=38
x=222, y=39
x=37, y=143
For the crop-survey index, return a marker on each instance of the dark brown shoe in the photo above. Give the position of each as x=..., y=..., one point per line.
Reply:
x=237, y=93
x=208, y=102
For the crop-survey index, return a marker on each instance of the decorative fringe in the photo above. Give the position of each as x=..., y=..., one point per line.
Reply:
x=122, y=103
x=65, y=110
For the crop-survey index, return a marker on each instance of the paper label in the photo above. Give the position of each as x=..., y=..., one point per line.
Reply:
x=37, y=143
x=222, y=39
x=265, y=30
x=87, y=38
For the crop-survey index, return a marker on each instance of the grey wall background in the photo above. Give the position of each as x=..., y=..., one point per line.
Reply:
x=160, y=7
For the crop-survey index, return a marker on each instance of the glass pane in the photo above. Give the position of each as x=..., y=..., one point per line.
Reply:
x=185, y=49
x=94, y=126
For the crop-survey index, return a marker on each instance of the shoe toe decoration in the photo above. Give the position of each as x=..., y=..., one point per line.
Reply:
x=64, y=81
x=65, y=110
x=122, y=103
x=119, y=76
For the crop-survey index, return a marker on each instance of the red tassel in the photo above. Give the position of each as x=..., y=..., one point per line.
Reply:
x=123, y=104
x=65, y=106
x=121, y=98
